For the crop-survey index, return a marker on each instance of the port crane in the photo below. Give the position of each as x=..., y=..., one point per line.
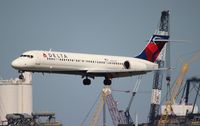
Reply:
x=104, y=93
x=192, y=81
x=156, y=93
x=162, y=61
x=175, y=89
x=119, y=117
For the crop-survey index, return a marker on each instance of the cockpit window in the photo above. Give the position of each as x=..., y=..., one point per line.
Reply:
x=29, y=56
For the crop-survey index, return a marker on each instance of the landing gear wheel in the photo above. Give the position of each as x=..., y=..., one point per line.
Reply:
x=21, y=76
x=86, y=81
x=107, y=82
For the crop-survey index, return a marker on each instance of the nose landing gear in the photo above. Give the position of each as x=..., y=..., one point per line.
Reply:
x=21, y=76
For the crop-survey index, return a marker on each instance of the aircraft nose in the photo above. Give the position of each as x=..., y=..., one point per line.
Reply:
x=17, y=64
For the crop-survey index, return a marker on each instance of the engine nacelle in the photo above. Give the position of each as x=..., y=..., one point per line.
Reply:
x=127, y=65
x=137, y=65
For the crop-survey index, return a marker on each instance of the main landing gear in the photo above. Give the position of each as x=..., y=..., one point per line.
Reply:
x=86, y=81
x=107, y=81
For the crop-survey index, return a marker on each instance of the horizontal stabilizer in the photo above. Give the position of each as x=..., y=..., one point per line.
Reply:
x=168, y=40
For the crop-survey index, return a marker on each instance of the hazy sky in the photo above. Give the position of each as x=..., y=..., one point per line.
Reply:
x=114, y=27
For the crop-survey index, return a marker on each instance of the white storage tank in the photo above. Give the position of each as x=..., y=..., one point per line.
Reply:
x=16, y=96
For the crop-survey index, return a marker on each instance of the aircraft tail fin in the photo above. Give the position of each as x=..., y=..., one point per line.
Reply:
x=158, y=40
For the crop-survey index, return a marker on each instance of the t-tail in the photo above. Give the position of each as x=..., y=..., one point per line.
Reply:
x=158, y=40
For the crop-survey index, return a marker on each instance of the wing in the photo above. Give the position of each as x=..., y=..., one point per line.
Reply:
x=121, y=73
x=116, y=73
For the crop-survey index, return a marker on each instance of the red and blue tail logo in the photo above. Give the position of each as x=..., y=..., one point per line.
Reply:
x=153, y=48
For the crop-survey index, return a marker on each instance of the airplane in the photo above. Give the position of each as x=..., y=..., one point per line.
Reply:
x=92, y=65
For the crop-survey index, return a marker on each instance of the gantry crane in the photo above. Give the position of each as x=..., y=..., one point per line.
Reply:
x=175, y=90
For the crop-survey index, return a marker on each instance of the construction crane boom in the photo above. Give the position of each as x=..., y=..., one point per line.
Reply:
x=175, y=89
x=178, y=83
x=133, y=93
x=180, y=78
x=117, y=116
x=105, y=92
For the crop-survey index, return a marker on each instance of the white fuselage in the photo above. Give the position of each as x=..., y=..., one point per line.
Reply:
x=81, y=64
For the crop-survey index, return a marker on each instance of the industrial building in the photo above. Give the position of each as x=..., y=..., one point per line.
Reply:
x=16, y=104
x=16, y=96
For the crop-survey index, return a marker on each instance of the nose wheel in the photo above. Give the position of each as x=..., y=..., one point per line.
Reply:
x=21, y=76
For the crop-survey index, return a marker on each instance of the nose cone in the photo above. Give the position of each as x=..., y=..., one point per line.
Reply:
x=17, y=64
